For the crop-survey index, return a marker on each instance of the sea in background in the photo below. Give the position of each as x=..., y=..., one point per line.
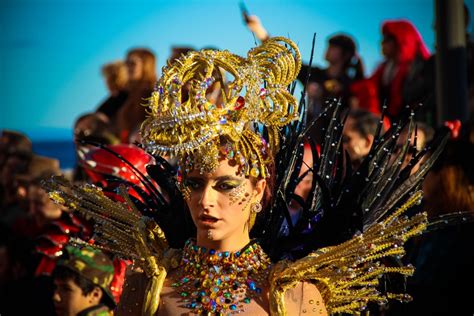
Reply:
x=55, y=143
x=63, y=150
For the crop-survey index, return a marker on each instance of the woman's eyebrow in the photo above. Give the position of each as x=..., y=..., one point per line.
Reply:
x=224, y=178
x=195, y=179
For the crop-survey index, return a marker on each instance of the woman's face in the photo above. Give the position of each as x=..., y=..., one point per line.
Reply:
x=389, y=47
x=220, y=204
x=135, y=67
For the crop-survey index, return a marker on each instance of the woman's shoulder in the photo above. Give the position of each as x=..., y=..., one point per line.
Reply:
x=304, y=298
x=293, y=293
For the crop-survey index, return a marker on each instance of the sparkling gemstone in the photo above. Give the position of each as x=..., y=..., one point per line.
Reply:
x=213, y=304
x=252, y=286
x=240, y=103
x=254, y=172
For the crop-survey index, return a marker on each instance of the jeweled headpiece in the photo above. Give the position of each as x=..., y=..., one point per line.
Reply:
x=186, y=121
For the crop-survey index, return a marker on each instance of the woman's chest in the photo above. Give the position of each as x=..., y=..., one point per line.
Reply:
x=206, y=295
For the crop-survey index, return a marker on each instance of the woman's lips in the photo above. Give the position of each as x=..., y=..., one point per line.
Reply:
x=208, y=220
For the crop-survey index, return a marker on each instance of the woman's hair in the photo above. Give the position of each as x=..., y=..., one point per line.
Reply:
x=116, y=72
x=352, y=63
x=149, y=64
x=455, y=190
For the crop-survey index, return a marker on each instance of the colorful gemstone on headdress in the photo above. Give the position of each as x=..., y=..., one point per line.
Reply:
x=240, y=103
x=254, y=172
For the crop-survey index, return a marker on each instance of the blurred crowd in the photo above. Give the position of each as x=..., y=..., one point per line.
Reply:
x=34, y=230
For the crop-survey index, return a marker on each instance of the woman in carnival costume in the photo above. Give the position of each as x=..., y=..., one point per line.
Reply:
x=211, y=240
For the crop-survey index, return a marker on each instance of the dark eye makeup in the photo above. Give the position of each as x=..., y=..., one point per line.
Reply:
x=222, y=184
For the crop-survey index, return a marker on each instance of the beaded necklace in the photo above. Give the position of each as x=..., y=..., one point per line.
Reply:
x=221, y=282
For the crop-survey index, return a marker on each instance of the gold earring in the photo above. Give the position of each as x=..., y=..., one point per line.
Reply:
x=256, y=207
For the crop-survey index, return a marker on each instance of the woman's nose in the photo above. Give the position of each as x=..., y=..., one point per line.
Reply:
x=208, y=197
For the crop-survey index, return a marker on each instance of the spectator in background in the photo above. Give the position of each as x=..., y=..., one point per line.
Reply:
x=424, y=135
x=404, y=51
x=41, y=209
x=22, y=293
x=345, y=67
x=94, y=127
x=15, y=156
x=449, y=186
x=12, y=142
x=141, y=64
x=116, y=79
x=82, y=280
x=91, y=127
x=358, y=135
x=443, y=256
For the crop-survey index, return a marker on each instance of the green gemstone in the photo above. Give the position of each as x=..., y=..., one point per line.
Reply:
x=184, y=294
x=247, y=300
x=227, y=295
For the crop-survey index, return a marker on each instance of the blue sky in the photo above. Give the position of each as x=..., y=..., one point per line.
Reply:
x=51, y=51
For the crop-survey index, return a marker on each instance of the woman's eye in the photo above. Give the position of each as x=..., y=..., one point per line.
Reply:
x=226, y=186
x=193, y=185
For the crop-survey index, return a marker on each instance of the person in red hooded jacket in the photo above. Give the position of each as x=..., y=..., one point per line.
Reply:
x=404, y=49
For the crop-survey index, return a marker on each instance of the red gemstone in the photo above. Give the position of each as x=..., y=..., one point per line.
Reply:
x=239, y=103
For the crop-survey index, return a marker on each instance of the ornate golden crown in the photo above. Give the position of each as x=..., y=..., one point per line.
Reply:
x=184, y=121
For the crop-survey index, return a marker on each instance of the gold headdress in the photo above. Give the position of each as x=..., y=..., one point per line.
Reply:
x=184, y=122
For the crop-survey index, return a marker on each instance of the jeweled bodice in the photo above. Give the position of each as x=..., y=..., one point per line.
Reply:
x=208, y=281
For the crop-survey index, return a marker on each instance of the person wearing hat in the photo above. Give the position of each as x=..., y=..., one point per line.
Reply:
x=82, y=280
